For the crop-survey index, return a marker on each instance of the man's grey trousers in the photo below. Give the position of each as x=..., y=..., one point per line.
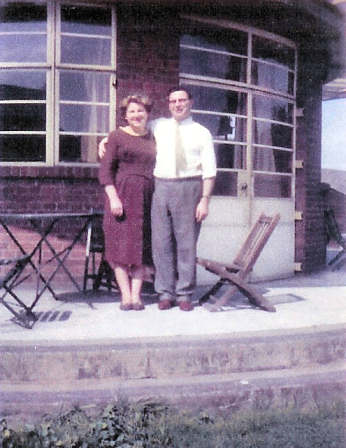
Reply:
x=174, y=236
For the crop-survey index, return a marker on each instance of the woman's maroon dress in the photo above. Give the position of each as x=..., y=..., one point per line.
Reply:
x=128, y=165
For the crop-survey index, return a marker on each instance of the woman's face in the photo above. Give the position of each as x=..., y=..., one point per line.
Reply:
x=136, y=116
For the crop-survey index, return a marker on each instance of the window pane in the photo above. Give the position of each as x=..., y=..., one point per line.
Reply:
x=23, y=48
x=218, y=100
x=214, y=65
x=86, y=20
x=79, y=148
x=230, y=156
x=272, y=186
x=84, y=86
x=83, y=50
x=223, y=127
x=22, y=117
x=22, y=148
x=272, y=108
x=271, y=51
x=272, y=77
x=81, y=118
x=272, y=134
x=267, y=159
x=23, y=17
x=22, y=85
x=226, y=183
x=228, y=40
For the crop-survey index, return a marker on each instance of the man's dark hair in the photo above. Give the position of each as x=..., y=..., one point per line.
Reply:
x=178, y=89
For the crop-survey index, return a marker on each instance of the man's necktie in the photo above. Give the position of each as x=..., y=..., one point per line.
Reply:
x=180, y=160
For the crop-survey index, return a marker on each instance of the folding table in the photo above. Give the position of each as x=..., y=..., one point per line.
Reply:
x=44, y=224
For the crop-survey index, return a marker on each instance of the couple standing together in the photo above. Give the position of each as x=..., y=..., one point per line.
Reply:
x=158, y=178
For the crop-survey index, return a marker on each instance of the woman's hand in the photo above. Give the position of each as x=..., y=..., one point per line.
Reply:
x=115, y=203
x=116, y=206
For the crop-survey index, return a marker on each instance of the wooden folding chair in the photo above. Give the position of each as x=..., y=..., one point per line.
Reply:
x=235, y=274
x=334, y=234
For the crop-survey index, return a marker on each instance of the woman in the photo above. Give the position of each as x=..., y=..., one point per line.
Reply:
x=126, y=173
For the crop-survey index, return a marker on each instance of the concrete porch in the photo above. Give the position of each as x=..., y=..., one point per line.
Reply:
x=84, y=351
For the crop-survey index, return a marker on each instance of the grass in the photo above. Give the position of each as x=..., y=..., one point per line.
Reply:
x=153, y=425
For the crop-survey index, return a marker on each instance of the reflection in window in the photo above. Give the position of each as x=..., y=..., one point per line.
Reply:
x=87, y=51
x=84, y=110
x=271, y=51
x=272, y=108
x=212, y=65
x=271, y=77
x=267, y=186
x=22, y=117
x=218, y=110
x=272, y=134
x=226, y=183
x=22, y=85
x=85, y=20
x=22, y=148
x=274, y=160
x=84, y=86
x=213, y=53
x=25, y=28
x=84, y=95
x=79, y=148
x=274, y=67
x=83, y=118
x=86, y=35
x=211, y=38
x=230, y=156
x=17, y=87
x=223, y=127
x=218, y=100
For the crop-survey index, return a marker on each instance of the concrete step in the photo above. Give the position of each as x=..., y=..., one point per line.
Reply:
x=159, y=358
x=296, y=388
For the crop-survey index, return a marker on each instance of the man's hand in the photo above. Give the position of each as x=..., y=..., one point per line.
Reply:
x=102, y=147
x=202, y=209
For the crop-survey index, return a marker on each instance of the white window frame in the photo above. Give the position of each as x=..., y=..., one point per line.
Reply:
x=52, y=67
x=250, y=89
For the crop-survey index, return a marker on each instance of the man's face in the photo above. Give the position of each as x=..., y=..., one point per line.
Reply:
x=179, y=105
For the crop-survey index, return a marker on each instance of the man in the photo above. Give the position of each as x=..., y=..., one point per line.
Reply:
x=180, y=201
x=184, y=174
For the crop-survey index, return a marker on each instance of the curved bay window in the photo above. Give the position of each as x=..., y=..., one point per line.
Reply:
x=243, y=86
x=55, y=80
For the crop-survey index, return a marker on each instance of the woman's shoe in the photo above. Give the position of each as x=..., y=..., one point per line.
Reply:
x=138, y=306
x=126, y=306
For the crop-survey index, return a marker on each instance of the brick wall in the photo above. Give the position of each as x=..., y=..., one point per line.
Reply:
x=46, y=190
x=310, y=233
x=147, y=54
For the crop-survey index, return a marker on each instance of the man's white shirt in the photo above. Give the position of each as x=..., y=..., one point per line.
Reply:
x=196, y=141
